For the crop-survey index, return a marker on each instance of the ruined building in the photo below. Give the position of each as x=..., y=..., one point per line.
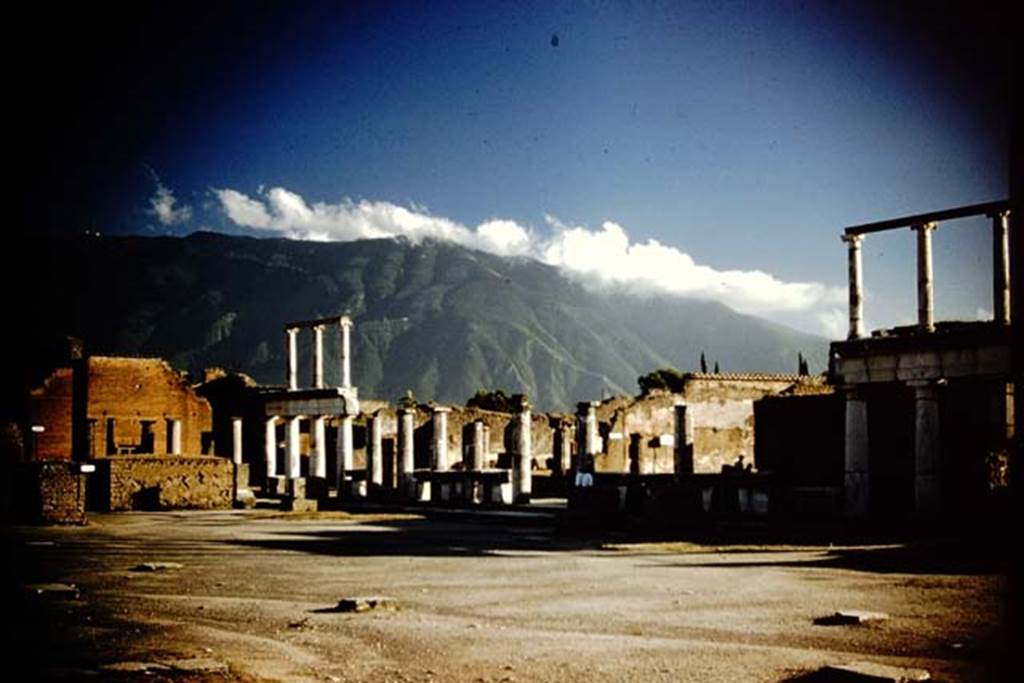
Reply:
x=137, y=425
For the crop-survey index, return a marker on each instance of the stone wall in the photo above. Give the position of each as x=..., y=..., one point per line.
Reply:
x=637, y=434
x=165, y=482
x=136, y=390
x=50, y=409
x=48, y=492
x=109, y=406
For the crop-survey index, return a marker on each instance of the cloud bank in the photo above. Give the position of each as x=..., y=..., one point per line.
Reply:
x=603, y=257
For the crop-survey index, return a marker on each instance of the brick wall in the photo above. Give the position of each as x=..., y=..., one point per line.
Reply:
x=134, y=390
x=50, y=408
x=164, y=482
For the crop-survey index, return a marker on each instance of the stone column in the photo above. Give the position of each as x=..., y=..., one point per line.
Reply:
x=562, y=443
x=345, y=449
x=175, y=437
x=270, y=446
x=927, y=451
x=856, y=286
x=292, y=334
x=440, y=423
x=293, y=454
x=318, y=452
x=236, y=440
x=1001, y=267
x=477, y=448
x=406, y=455
x=683, y=451
x=374, y=452
x=346, y=351
x=856, y=479
x=487, y=445
x=591, y=440
x=925, y=290
x=318, y=356
x=522, y=481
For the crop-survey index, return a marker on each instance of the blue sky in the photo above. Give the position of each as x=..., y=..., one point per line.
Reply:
x=738, y=136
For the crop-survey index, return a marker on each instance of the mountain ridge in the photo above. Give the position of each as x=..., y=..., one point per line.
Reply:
x=436, y=318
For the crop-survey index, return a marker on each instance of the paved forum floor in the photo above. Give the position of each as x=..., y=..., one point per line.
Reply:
x=481, y=599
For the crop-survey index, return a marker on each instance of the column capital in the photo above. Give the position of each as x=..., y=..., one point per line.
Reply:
x=852, y=240
x=929, y=226
x=441, y=409
x=1003, y=215
x=345, y=321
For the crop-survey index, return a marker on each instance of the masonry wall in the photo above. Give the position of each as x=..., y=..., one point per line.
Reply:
x=49, y=492
x=162, y=483
x=135, y=390
x=50, y=408
x=635, y=431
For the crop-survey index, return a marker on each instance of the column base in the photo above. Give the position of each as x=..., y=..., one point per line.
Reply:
x=927, y=498
x=857, y=495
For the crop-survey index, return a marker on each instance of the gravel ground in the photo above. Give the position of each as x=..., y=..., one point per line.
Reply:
x=480, y=598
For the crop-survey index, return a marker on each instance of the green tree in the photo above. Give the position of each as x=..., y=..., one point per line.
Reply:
x=496, y=400
x=668, y=379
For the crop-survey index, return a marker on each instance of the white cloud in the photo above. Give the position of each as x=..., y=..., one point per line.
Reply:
x=162, y=205
x=605, y=257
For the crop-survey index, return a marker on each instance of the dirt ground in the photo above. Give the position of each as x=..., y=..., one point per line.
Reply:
x=480, y=598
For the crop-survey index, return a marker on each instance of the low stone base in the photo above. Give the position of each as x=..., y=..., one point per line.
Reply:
x=289, y=504
x=276, y=486
x=296, y=488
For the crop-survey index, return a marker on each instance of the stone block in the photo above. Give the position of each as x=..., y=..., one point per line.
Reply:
x=296, y=488
x=871, y=672
x=289, y=504
x=276, y=486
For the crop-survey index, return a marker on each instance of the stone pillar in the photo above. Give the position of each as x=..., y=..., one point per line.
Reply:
x=487, y=445
x=374, y=452
x=683, y=451
x=344, y=446
x=925, y=289
x=406, y=455
x=1001, y=267
x=318, y=356
x=522, y=482
x=856, y=286
x=236, y=440
x=440, y=423
x=927, y=452
x=590, y=441
x=562, y=443
x=318, y=452
x=293, y=454
x=270, y=446
x=346, y=351
x=477, y=460
x=856, y=479
x=292, y=334
x=175, y=437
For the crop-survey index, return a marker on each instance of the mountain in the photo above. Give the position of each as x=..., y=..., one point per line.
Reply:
x=436, y=318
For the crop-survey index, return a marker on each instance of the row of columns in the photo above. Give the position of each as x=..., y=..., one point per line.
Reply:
x=925, y=278
x=292, y=336
x=477, y=451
